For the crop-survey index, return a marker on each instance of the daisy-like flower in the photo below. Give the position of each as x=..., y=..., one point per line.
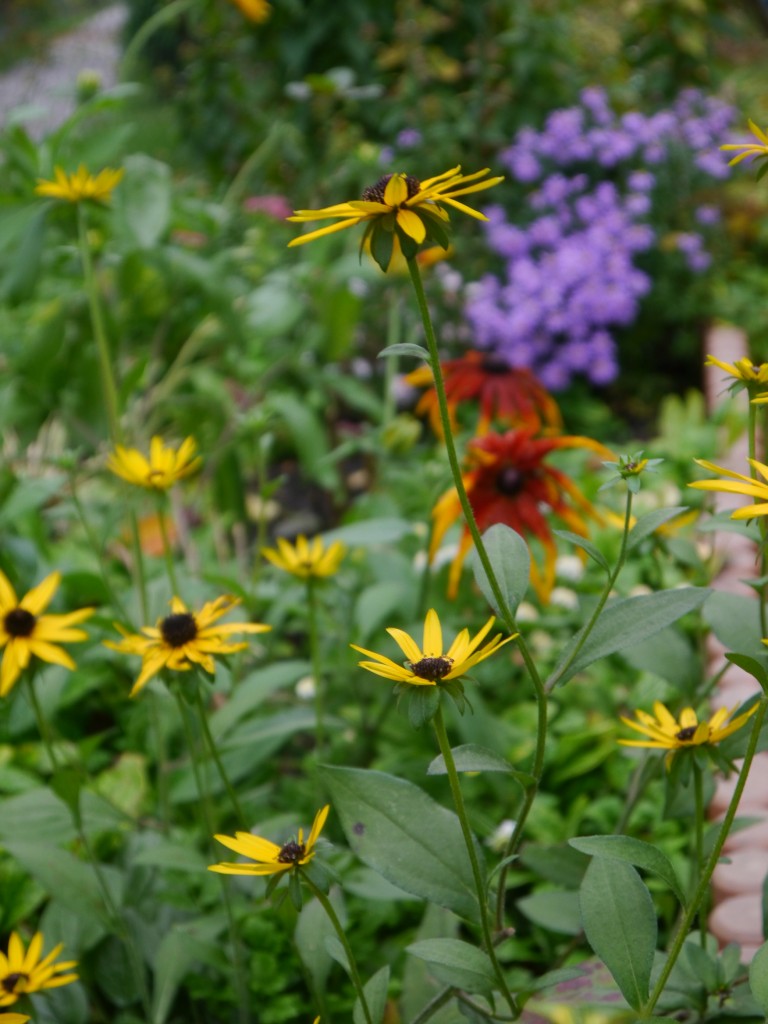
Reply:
x=743, y=371
x=306, y=559
x=80, y=185
x=429, y=664
x=758, y=149
x=26, y=632
x=512, y=397
x=268, y=857
x=184, y=638
x=400, y=206
x=164, y=467
x=23, y=971
x=662, y=731
x=257, y=11
x=509, y=482
x=738, y=483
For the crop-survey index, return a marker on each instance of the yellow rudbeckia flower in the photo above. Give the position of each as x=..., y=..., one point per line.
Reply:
x=665, y=732
x=164, y=467
x=14, y=1018
x=80, y=185
x=306, y=559
x=743, y=370
x=268, y=857
x=23, y=971
x=429, y=665
x=737, y=483
x=757, y=149
x=184, y=638
x=25, y=632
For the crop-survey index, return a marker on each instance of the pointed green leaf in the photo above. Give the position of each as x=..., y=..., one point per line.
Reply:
x=470, y=757
x=404, y=348
x=183, y=946
x=585, y=545
x=511, y=561
x=751, y=665
x=758, y=977
x=633, y=851
x=375, y=997
x=398, y=830
x=650, y=522
x=620, y=924
x=456, y=963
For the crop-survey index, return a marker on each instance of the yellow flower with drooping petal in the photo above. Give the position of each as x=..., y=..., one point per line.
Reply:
x=23, y=971
x=184, y=638
x=743, y=370
x=665, y=732
x=738, y=483
x=80, y=185
x=14, y=1018
x=400, y=207
x=429, y=664
x=25, y=632
x=305, y=559
x=257, y=11
x=757, y=149
x=165, y=466
x=268, y=857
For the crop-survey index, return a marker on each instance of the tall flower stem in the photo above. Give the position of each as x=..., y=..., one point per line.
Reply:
x=698, y=844
x=166, y=541
x=762, y=525
x=461, y=812
x=706, y=875
x=354, y=973
x=501, y=603
x=213, y=753
x=314, y=654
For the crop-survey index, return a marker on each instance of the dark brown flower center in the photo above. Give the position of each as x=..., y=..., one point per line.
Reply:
x=494, y=364
x=19, y=622
x=375, y=193
x=10, y=981
x=687, y=733
x=291, y=853
x=178, y=629
x=431, y=668
x=510, y=481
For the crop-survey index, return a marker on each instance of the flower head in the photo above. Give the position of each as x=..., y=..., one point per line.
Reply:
x=257, y=11
x=184, y=638
x=268, y=857
x=509, y=482
x=162, y=470
x=429, y=665
x=306, y=559
x=758, y=149
x=80, y=185
x=511, y=396
x=743, y=371
x=25, y=631
x=737, y=483
x=665, y=732
x=400, y=206
x=22, y=971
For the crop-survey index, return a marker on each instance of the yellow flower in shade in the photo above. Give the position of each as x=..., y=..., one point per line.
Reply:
x=305, y=559
x=162, y=470
x=254, y=10
x=80, y=185
x=665, y=732
x=428, y=665
x=22, y=972
x=737, y=483
x=743, y=370
x=757, y=149
x=268, y=857
x=25, y=631
x=17, y=1018
x=400, y=206
x=184, y=638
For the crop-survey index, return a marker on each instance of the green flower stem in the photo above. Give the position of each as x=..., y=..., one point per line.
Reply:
x=241, y=985
x=164, y=16
x=554, y=679
x=327, y=906
x=213, y=752
x=314, y=655
x=501, y=603
x=641, y=776
x=461, y=811
x=703, y=887
x=113, y=912
x=391, y=363
x=162, y=504
x=97, y=322
x=762, y=525
x=435, y=1003
x=698, y=848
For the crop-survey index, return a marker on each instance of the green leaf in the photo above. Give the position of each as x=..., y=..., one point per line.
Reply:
x=143, y=201
x=423, y=702
x=735, y=621
x=620, y=925
x=404, y=348
x=371, y=532
x=312, y=929
x=650, y=522
x=378, y=603
x=456, y=963
x=585, y=545
x=375, y=997
x=470, y=757
x=554, y=909
x=758, y=977
x=399, y=831
x=752, y=666
x=182, y=948
x=627, y=622
x=251, y=693
x=632, y=851
x=511, y=561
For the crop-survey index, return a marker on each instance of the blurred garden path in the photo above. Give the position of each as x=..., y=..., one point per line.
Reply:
x=45, y=86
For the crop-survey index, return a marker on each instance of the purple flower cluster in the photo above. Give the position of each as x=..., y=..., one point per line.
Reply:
x=571, y=273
